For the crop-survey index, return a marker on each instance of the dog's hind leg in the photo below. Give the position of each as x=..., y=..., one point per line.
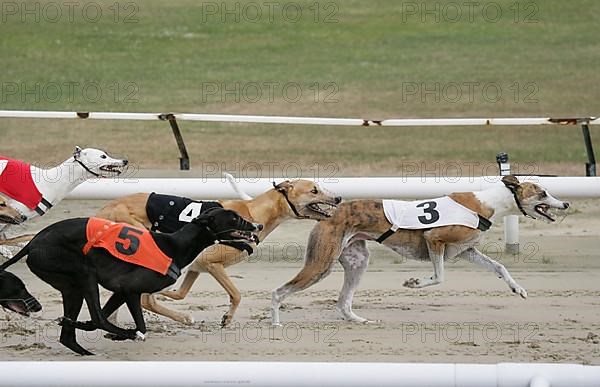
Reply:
x=354, y=260
x=92, y=298
x=474, y=255
x=323, y=248
x=72, y=303
x=149, y=302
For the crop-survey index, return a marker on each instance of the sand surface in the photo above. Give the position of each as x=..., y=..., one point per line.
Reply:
x=472, y=317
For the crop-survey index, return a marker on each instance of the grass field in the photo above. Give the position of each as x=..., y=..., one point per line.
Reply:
x=376, y=59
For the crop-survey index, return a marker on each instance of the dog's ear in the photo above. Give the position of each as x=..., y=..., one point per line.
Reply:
x=204, y=220
x=77, y=151
x=511, y=182
x=284, y=186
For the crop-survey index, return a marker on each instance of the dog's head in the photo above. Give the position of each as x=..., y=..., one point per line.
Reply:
x=10, y=215
x=533, y=199
x=14, y=296
x=98, y=163
x=227, y=225
x=307, y=200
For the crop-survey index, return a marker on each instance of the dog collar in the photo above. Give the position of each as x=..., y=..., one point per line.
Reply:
x=517, y=201
x=289, y=202
x=85, y=167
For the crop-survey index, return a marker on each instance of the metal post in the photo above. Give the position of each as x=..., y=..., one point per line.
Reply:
x=590, y=166
x=511, y=222
x=184, y=160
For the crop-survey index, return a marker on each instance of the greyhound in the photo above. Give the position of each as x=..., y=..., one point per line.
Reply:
x=33, y=191
x=76, y=255
x=343, y=237
x=15, y=297
x=300, y=199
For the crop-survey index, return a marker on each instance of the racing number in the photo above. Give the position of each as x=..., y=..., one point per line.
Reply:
x=126, y=234
x=191, y=212
x=431, y=215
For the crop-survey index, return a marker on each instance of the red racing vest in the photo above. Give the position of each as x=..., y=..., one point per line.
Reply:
x=129, y=244
x=17, y=183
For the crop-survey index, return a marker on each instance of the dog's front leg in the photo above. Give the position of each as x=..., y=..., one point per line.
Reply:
x=474, y=255
x=436, y=249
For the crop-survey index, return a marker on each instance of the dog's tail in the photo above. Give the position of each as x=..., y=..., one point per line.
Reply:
x=24, y=251
x=236, y=187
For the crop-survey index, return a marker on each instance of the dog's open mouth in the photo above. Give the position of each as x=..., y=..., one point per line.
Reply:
x=244, y=235
x=322, y=208
x=22, y=307
x=113, y=170
x=9, y=220
x=544, y=210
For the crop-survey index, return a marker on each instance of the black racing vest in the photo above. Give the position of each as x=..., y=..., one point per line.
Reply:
x=168, y=213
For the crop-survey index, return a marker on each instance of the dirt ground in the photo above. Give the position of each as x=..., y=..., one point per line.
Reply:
x=472, y=317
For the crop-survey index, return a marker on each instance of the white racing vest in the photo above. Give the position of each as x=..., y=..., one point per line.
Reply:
x=428, y=214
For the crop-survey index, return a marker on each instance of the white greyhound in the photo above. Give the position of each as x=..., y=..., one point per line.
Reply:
x=49, y=186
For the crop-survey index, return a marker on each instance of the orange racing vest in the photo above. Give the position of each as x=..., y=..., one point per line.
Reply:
x=129, y=244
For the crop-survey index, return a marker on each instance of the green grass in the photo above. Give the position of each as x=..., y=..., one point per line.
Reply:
x=164, y=59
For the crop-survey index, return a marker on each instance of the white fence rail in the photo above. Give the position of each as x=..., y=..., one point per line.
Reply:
x=348, y=188
x=276, y=374
x=301, y=120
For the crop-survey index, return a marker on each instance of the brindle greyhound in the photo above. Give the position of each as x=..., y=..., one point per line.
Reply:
x=300, y=199
x=344, y=235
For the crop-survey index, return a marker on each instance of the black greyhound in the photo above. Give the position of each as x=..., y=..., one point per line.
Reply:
x=14, y=296
x=56, y=256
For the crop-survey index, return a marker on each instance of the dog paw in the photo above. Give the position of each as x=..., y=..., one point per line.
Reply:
x=186, y=319
x=6, y=252
x=115, y=337
x=64, y=321
x=412, y=283
x=520, y=291
x=139, y=336
x=226, y=320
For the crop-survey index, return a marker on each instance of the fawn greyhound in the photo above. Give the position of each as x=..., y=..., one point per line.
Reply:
x=300, y=199
x=9, y=214
x=451, y=227
x=76, y=255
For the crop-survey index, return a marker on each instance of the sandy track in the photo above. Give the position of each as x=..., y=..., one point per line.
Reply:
x=472, y=317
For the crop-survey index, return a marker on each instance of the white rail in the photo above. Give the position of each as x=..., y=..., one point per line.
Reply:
x=348, y=188
x=301, y=120
x=276, y=374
